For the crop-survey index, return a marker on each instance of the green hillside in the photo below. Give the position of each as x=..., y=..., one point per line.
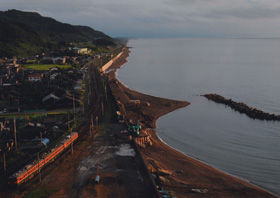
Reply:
x=27, y=33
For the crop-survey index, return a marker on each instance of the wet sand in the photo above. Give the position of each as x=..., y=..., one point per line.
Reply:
x=186, y=173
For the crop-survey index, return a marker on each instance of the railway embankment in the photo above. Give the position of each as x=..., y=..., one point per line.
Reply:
x=243, y=108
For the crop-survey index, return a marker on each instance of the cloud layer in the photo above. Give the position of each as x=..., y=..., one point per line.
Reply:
x=163, y=18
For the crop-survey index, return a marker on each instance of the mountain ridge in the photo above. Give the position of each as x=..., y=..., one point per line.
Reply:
x=25, y=33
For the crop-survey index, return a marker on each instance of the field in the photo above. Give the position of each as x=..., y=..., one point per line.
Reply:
x=45, y=67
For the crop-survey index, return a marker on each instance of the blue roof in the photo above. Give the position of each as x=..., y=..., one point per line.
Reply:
x=46, y=141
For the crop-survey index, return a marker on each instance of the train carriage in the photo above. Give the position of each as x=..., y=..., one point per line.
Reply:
x=30, y=170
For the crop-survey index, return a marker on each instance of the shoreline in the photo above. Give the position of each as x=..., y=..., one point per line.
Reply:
x=187, y=172
x=217, y=169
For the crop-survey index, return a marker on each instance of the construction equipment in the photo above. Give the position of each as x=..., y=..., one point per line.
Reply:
x=134, y=129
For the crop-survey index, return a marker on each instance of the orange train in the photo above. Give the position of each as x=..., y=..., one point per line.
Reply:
x=32, y=169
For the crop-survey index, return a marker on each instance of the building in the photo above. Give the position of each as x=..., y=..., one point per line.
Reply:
x=81, y=50
x=84, y=50
x=31, y=130
x=50, y=97
x=35, y=77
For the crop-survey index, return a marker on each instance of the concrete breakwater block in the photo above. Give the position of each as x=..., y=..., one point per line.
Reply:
x=243, y=108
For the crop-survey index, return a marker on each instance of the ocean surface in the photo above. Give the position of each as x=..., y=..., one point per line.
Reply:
x=245, y=70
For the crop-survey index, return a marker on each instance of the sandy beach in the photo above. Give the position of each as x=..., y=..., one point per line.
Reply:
x=186, y=173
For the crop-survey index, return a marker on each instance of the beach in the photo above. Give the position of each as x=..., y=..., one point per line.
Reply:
x=186, y=172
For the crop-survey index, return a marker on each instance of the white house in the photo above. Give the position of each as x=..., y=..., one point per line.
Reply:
x=35, y=77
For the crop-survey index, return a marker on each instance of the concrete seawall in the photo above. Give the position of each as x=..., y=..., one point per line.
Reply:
x=149, y=181
x=110, y=63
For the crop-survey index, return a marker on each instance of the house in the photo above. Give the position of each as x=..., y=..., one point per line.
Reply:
x=78, y=85
x=50, y=121
x=8, y=82
x=2, y=61
x=84, y=50
x=51, y=98
x=81, y=50
x=13, y=109
x=35, y=77
x=67, y=102
x=76, y=49
x=107, y=54
x=51, y=60
x=31, y=130
x=60, y=60
x=53, y=76
x=48, y=60
x=97, y=56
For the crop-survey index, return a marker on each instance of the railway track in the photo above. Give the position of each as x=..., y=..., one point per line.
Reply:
x=7, y=194
x=82, y=130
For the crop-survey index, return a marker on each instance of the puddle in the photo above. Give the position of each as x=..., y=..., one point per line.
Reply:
x=125, y=150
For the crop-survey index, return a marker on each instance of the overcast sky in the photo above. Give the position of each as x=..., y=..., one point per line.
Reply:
x=163, y=18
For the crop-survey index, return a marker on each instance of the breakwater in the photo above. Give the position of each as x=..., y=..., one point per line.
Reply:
x=243, y=108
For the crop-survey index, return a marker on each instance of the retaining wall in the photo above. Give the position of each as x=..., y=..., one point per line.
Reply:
x=149, y=181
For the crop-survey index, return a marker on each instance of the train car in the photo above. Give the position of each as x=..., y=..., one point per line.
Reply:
x=32, y=169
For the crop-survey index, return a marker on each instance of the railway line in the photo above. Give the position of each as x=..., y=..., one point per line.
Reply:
x=83, y=129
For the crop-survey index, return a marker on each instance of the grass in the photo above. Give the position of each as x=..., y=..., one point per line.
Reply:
x=45, y=67
x=29, y=115
x=31, y=61
x=40, y=192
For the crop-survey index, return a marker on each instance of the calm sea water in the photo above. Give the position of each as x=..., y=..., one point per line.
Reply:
x=245, y=70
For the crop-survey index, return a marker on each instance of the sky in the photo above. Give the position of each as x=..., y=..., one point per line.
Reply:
x=163, y=18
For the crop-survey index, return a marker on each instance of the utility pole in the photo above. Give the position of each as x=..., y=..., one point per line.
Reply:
x=91, y=124
x=40, y=176
x=89, y=83
x=15, y=132
x=96, y=119
x=88, y=95
x=4, y=163
x=90, y=129
x=74, y=110
x=71, y=142
x=41, y=139
x=102, y=108
x=106, y=92
x=68, y=122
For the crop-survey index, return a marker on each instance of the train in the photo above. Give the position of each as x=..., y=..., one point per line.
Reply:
x=33, y=168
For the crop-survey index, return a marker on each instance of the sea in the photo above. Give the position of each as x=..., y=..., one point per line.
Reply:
x=244, y=70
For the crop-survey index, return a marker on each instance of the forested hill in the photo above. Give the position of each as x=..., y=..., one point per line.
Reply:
x=26, y=33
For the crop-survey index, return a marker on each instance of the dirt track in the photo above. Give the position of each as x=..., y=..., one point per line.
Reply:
x=119, y=175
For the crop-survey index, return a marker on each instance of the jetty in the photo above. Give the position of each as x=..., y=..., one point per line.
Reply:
x=243, y=108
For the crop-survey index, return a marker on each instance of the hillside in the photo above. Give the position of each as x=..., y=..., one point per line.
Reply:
x=26, y=33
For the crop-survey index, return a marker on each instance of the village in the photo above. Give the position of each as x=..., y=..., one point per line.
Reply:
x=42, y=98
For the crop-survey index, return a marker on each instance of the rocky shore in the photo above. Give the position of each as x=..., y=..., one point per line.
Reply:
x=242, y=108
x=172, y=170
